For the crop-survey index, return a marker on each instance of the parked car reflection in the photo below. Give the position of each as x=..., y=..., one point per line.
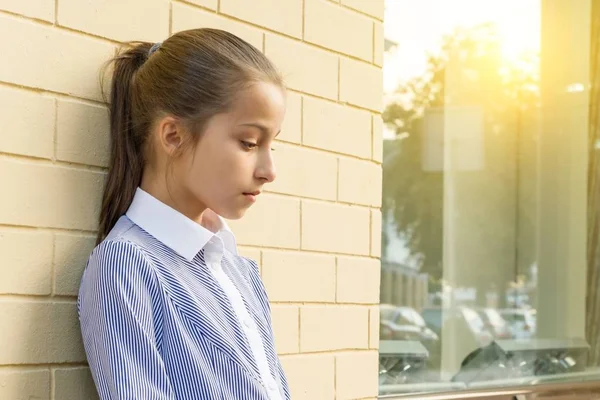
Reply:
x=404, y=323
x=495, y=323
x=467, y=320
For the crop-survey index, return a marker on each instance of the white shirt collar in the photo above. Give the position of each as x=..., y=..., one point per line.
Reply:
x=174, y=229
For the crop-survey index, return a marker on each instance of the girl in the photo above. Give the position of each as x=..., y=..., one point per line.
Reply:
x=168, y=309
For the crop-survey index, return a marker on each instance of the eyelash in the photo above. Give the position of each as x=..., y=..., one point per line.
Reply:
x=250, y=145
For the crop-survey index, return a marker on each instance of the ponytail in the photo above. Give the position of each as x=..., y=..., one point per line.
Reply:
x=126, y=155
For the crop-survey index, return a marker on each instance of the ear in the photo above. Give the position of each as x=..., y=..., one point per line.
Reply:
x=170, y=134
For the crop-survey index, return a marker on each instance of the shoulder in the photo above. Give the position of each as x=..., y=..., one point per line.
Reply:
x=122, y=252
x=118, y=253
x=118, y=265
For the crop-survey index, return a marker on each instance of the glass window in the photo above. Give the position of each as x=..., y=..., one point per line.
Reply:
x=491, y=197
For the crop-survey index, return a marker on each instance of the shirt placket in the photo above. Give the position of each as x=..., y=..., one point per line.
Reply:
x=213, y=256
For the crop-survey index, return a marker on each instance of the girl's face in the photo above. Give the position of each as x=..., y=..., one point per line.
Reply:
x=233, y=159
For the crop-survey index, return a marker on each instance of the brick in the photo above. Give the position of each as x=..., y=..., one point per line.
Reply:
x=273, y=221
x=38, y=9
x=337, y=128
x=317, y=178
x=376, y=233
x=360, y=182
x=378, y=42
x=292, y=123
x=71, y=61
x=290, y=276
x=82, y=133
x=187, y=17
x=377, y=138
x=74, y=383
x=26, y=262
x=212, y=4
x=22, y=383
x=27, y=123
x=49, y=196
x=39, y=332
x=361, y=84
x=71, y=253
x=286, y=328
x=374, y=327
x=311, y=70
x=358, y=280
x=311, y=377
x=339, y=29
x=123, y=20
x=277, y=15
x=325, y=228
x=374, y=8
x=356, y=375
x=324, y=328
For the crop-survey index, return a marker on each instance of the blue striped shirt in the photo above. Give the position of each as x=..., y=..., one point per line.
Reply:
x=168, y=310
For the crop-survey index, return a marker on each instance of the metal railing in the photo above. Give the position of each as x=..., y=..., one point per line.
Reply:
x=550, y=391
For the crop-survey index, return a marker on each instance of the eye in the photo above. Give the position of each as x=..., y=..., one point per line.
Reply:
x=248, y=145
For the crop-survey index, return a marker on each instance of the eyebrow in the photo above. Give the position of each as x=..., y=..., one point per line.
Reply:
x=263, y=129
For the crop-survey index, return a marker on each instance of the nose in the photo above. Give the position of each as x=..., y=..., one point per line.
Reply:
x=265, y=170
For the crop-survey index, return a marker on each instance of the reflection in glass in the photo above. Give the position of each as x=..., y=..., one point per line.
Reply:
x=488, y=174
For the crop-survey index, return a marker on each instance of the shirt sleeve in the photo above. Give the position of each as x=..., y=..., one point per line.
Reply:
x=119, y=316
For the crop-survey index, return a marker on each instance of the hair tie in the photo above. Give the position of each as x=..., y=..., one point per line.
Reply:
x=154, y=47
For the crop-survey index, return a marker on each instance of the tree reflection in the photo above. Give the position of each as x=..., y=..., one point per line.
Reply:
x=498, y=191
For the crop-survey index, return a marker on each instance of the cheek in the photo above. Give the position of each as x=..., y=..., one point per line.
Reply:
x=211, y=177
x=199, y=176
x=215, y=174
x=187, y=173
x=230, y=164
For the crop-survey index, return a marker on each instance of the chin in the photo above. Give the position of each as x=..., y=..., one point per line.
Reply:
x=233, y=214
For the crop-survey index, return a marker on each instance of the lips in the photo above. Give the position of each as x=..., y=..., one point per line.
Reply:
x=251, y=196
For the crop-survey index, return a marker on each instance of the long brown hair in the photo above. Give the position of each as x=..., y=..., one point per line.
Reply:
x=193, y=75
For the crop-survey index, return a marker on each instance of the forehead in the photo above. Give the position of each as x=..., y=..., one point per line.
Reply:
x=262, y=101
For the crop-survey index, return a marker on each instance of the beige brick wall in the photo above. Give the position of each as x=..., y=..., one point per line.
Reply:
x=318, y=245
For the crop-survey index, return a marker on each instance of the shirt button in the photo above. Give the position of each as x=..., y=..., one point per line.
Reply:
x=248, y=323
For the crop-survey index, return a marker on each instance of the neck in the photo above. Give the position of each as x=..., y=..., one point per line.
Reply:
x=175, y=198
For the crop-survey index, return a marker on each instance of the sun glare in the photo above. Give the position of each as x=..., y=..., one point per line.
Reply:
x=519, y=35
x=417, y=28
